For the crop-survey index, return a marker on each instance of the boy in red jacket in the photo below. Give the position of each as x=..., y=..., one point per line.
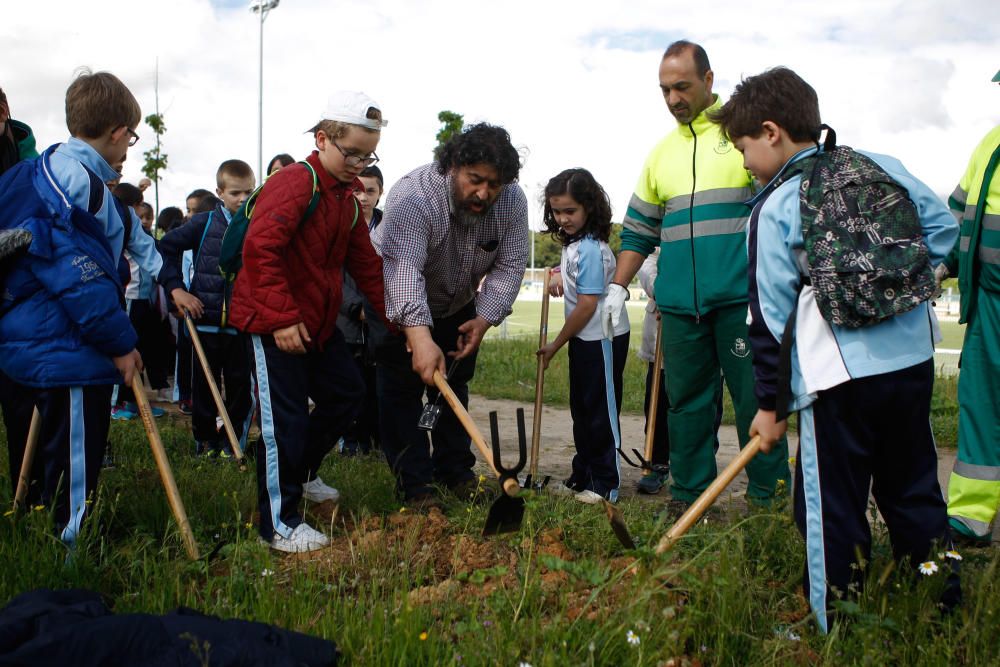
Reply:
x=287, y=297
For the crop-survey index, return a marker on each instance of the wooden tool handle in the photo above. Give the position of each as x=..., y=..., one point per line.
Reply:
x=28, y=460
x=654, y=395
x=510, y=486
x=216, y=395
x=536, y=417
x=163, y=464
x=706, y=499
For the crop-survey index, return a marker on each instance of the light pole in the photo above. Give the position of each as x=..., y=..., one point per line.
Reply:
x=261, y=8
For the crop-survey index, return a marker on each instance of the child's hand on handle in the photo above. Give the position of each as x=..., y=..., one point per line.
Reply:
x=546, y=352
x=187, y=303
x=555, y=282
x=293, y=339
x=128, y=365
x=470, y=336
x=769, y=430
x=611, y=311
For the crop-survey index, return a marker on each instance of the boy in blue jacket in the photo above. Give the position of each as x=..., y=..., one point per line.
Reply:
x=65, y=338
x=206, y=300
x=867, y=425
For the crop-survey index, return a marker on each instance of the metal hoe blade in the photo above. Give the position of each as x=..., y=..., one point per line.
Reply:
x=507, y=512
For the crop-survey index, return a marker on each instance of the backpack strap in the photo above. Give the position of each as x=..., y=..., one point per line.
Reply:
x=204, y=233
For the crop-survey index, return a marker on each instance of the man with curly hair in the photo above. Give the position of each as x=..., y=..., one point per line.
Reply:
x=454, y=244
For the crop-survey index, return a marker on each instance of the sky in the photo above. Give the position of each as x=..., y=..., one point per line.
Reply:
x=575, y=83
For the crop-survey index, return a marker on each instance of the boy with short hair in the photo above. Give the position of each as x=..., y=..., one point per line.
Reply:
x=287, y=296
x=64, y=336
x=868, y=426
x=206, y=300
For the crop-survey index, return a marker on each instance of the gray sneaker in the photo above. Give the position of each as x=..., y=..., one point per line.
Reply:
x=316, y=491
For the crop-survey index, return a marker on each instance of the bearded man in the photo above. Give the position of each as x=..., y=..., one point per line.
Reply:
x=454, y=244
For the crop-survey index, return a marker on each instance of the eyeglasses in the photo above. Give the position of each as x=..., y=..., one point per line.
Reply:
x=134, y=139
x=356, y=160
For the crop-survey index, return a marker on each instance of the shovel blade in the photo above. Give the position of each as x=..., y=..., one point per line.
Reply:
x=505, y=515
x=618, y=525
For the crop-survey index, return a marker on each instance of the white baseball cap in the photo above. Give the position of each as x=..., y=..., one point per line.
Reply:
x=351, y=106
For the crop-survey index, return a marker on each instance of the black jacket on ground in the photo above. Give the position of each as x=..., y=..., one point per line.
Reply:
x=75, y=627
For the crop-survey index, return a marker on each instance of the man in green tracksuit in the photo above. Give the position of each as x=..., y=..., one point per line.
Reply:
x=974, y=487
x=689, y=202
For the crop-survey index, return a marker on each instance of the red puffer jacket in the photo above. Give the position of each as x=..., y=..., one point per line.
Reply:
x=293, y=272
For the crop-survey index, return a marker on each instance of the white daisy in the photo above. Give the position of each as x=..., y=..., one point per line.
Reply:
x=928, y=568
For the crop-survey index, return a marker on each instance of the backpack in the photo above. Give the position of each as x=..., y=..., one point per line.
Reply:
x=231, y=253
x=867, y=260
x=863, y=239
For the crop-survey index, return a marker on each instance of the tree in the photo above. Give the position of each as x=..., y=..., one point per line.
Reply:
x=156, y=159
x=451, y=124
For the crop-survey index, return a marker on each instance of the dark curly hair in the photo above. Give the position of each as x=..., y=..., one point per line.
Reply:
x=478, y=144
x=581, y=185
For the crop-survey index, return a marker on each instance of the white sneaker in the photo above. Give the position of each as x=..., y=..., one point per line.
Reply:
x=589, y=497
x=303, y=538
x=316, y=491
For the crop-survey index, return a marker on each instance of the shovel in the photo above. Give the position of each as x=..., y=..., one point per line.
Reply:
x=507, y=512
x=705, y=500
x=24, y=479
x=163, y=464
x=536, y=418
x=219, y=404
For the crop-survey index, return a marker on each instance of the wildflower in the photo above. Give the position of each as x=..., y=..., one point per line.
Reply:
x=791, y=460
x=402, y=509
x=423, y=636
x=248, y=525
x=266, y=572
x=8, y=512
x=632, y=638
x=38, y=508
x=523, y=664
x=928, y=568
x=954, y=555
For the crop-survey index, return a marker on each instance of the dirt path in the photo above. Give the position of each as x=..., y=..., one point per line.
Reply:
x=556, y=448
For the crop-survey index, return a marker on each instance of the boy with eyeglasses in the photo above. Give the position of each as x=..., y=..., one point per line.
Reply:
x=65, y=338
x=287, y=296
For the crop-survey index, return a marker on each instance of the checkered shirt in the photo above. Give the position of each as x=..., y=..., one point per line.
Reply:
x=433, y=264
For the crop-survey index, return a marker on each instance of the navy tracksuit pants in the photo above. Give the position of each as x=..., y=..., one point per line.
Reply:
x=868, y=433
x=295, y=440
x=70, y=449
x=401, y=393
x=595, y=398
x=227, y=357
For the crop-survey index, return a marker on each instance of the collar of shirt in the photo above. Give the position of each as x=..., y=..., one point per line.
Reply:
x=86, y=154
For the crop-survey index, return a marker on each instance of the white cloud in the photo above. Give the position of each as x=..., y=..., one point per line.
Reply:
x=573, y=82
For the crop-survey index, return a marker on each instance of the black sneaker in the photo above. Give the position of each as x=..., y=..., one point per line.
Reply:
x=653, y=481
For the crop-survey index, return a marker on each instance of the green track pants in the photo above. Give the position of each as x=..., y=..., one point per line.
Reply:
x=974, y=487
x=693, y=353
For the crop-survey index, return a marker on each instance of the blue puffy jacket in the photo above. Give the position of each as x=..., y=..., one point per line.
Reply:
x=61, y=315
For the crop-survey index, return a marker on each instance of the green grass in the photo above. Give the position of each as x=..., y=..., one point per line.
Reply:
x=402, y=589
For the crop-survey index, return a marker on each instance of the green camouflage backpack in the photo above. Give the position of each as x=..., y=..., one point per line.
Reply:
x=231, y=253
x=863, y=240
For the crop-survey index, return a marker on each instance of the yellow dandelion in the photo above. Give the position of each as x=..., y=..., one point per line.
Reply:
x=928, y=568
x=38, y=508
x=423, y=636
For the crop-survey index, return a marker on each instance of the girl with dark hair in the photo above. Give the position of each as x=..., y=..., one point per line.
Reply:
x=578, y=213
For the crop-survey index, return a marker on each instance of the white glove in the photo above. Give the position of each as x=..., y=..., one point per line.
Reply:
x=611, y=311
